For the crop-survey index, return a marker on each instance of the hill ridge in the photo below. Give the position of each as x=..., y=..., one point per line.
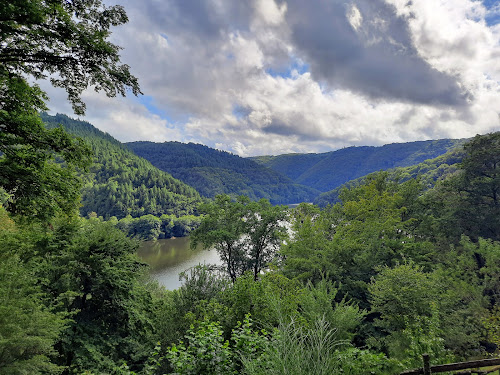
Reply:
x=121, y=183
x=214, y=172
x=326, y=171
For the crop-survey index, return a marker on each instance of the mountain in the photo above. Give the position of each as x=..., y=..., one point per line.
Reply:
x=429, y=172
x=329, y=170
x=120, y=183
x=214, y=172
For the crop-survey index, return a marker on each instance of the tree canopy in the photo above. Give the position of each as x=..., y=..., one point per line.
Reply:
x=246, y=234
x=66, y=41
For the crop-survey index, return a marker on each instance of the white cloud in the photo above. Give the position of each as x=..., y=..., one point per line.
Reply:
x=355, y=18
x=269, y=77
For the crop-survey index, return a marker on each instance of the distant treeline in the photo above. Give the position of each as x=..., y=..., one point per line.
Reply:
x=149, y=227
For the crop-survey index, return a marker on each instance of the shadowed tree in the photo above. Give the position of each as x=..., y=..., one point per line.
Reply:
x=67, y=42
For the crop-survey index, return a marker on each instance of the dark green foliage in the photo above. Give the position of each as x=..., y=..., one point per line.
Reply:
x=91, y=272
x=28, y=328
x=329, y=170
x=149, y=227
x=121, y=183
x=213, y=172
x=480, y=185
x=36, y=185
x=467, y=202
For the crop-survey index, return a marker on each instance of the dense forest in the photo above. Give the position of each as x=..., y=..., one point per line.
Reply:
x=396, y=268
x=213, y=172
x=428, y=173
x=119, y=183
x=330, y=170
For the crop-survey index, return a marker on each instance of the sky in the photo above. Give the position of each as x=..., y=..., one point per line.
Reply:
x=268, y=77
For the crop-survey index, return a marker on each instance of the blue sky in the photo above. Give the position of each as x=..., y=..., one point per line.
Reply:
x=493, y=18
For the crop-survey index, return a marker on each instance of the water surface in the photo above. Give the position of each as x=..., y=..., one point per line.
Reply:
x=168, y=258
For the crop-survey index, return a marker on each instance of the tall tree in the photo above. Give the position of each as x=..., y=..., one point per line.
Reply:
x=66, y=40
x=92, y=274
x=481, y=183
x=247, y=235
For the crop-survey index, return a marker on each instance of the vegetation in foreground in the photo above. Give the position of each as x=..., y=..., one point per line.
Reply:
x=393, y=271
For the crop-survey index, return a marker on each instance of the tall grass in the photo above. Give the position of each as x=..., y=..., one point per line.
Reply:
x=298, y=350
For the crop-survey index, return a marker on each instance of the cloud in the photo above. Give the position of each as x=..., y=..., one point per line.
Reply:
x=125, y=120
x=368, y=48
x=268, y=77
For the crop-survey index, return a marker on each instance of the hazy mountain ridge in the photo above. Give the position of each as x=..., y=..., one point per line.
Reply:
x=327, y=171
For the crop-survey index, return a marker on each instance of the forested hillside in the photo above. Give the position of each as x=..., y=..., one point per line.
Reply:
x=119, y=183
x=214, y=172
x=428, y=173
x=329, y=170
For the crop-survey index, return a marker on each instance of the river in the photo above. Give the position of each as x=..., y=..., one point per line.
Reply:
x=168, y=258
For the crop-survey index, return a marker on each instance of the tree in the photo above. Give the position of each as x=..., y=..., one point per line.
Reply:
x=349, y=241
x=468, y=203
x=37, y=187
x=246, y=234
x=92, y=273
x=28, y=329
x=66, y=41
x=265, y=233
x=481, y=183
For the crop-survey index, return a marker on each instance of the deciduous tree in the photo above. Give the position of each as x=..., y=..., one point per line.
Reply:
x=246, y=234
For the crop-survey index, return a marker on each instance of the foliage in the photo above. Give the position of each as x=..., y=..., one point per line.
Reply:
x=214, y=172
x=467, y=203
x=422, y=336
x=67, y=40
x=149, y=227
x=196, y=299
x=91, y=273
x=481, y=185
x=297, y=350
x=28, y=329
x=36, y=185
x=429, y=173
x=492, y=324
x=402, y=295
x=205, y=352
x=246, y=234
x=349, y=241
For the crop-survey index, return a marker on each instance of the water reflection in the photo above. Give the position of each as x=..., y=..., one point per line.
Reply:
x=168, y=258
